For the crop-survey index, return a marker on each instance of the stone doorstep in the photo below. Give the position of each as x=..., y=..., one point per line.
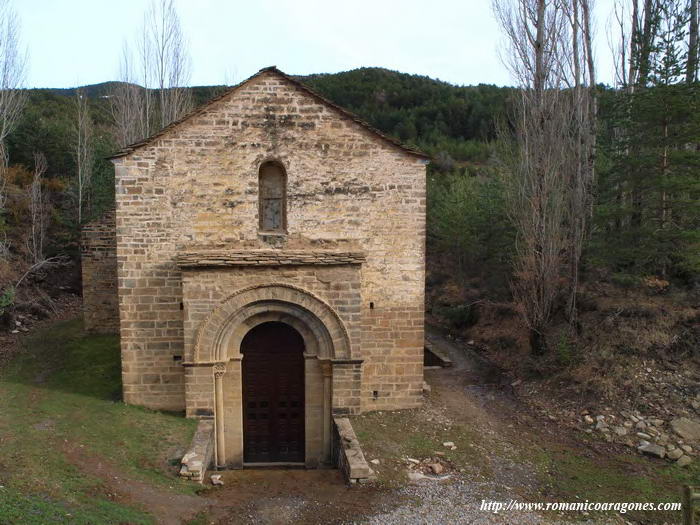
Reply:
x=350, y=454
x=198, y=457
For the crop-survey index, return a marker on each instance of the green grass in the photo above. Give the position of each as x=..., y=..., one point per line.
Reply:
x=576, y=475
x=62, y=391
x=394, y=435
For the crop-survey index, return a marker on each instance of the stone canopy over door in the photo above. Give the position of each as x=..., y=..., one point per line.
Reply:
x=301, y=344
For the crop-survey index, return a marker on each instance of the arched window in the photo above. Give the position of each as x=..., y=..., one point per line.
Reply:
x=272, y=184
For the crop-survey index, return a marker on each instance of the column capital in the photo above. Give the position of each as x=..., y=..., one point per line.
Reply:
x=219, y=370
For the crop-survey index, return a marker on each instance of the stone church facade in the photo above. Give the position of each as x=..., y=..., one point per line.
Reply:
x=269, y=254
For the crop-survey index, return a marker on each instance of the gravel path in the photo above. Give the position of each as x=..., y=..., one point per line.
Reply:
x=459, y=502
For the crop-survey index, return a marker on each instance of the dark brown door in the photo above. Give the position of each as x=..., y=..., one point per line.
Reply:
x=273, y=394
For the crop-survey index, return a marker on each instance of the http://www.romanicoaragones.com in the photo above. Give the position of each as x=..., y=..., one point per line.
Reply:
x=514, y=505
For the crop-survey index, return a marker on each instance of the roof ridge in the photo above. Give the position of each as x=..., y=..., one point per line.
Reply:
x=269, y=69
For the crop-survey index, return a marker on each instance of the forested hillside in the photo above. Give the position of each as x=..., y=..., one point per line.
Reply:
x=457, y=126
x=644, y=217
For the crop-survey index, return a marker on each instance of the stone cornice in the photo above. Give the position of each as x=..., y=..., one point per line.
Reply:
x=223, y=258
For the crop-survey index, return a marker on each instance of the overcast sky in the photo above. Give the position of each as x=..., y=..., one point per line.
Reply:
x=76, y=42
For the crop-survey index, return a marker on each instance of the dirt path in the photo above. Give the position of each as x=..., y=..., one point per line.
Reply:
x=167, y=507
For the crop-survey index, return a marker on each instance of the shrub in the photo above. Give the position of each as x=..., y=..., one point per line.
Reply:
x=460, y=316
x=625, y=280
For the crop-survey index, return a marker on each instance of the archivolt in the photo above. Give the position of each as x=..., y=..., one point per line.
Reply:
x=218, y=338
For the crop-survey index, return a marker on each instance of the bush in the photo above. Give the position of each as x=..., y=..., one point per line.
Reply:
x=7, y=301
x=625, y=280
x=460, y=316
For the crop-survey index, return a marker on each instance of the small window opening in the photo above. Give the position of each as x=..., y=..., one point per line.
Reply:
x=273, y=196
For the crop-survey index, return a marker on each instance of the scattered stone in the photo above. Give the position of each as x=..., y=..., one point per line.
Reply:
x=628, y=424
x=375, y=462
x=416, y=476
x=686, y=428
x=643, y=436
x=414, y=461
x=601, y=425
x=216, y=480
x=448, y=444
x=641, y=425
x=436, y=468
x=652, y=450
x=426, y=388
x=14, y=332
x=684, y=461
x=588, y=419
x=620, y=431
x=657, y=422
x=687, y=449
x=676, y=453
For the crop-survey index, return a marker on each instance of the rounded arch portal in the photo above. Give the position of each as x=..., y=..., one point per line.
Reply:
x=218, y=346
x=220, y=336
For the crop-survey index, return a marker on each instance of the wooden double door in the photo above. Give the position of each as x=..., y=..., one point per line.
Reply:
x=273, y=394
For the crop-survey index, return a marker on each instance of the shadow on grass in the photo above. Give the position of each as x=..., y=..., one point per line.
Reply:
x=65, y=358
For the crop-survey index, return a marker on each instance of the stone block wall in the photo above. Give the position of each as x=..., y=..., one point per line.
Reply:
x=98, y=251
x=347, y=190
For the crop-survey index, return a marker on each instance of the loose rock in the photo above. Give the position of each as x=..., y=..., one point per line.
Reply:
x=684, y=461
x=652, y=450
x=686, y=428
x=675, y=453
x=437, y=468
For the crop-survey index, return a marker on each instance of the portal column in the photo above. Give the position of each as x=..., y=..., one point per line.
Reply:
x=220, y=449
x=327, y=370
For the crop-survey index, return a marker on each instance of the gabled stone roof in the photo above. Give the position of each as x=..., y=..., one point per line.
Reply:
x=272, y=69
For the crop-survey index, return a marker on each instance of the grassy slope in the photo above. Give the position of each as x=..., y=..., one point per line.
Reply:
x=63, y=391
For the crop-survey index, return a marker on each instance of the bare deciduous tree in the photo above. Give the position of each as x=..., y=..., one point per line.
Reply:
x=128, y=103
x=583, y=131
x=692, y=67
x=12, y=71
x=152, y=91
x=549, y=150
x=84, y=150
x=170, y=60
x=37, y=210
